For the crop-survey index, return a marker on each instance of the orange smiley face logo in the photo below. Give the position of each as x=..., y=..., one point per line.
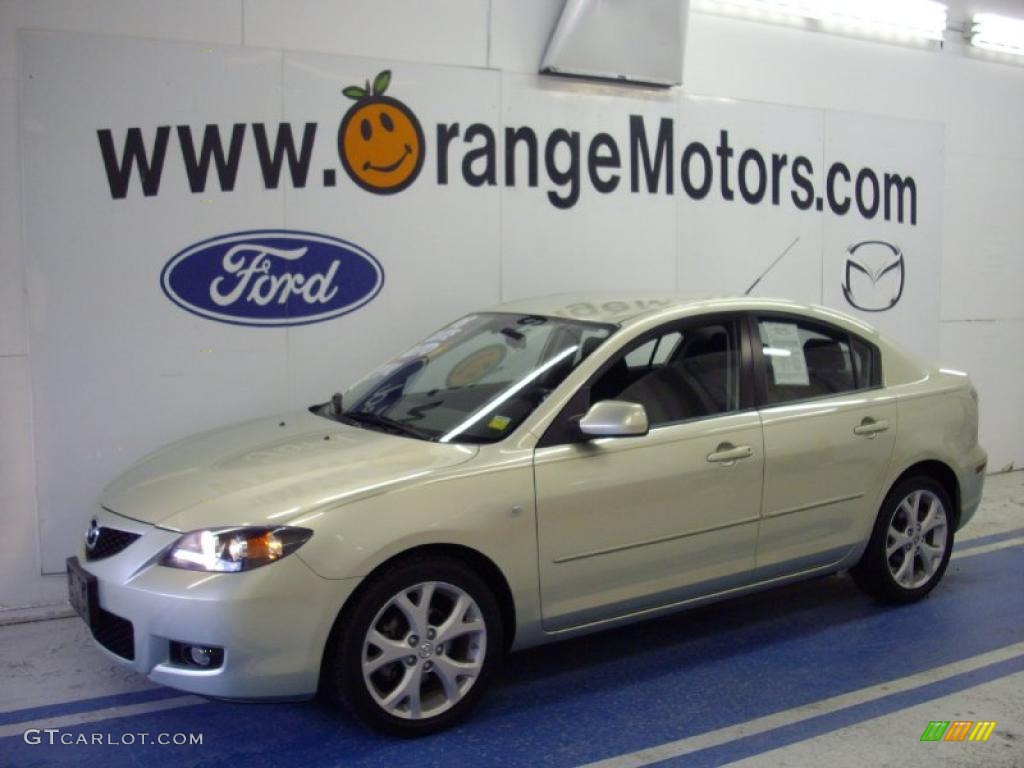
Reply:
x=380, y=140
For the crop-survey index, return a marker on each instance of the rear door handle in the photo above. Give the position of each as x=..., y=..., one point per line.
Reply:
x=727, y=454
x=869, y=427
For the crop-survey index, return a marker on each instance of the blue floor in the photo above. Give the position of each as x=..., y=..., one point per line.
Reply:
x=619, y=691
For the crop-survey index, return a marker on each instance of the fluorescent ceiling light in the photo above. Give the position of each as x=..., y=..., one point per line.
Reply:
x=998, y=33
x=900, y=19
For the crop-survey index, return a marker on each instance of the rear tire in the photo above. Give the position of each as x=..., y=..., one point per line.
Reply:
x=910, y=544
x=417, y=649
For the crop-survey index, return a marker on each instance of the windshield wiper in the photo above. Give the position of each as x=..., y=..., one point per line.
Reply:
x=391, y=425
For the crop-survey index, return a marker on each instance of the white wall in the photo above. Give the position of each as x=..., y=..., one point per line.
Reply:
x=980, y=103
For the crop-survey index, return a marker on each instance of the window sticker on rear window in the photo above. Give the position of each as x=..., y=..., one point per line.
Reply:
x=782, y=348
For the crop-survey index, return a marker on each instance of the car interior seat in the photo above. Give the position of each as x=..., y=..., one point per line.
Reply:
x=827, y=366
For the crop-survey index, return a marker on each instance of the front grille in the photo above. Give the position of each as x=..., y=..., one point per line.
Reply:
x=115, y=634
x=109, y=542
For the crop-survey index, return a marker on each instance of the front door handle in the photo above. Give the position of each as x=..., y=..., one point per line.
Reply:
x=726, y=454
x=869, y=427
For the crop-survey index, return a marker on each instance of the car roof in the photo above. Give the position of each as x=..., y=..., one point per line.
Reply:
x=626, y=309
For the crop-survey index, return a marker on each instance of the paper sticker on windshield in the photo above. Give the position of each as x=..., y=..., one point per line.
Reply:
x=499, y=423
x=449, y=330
x=477, y=365
x=782, y=347
x=435, y=344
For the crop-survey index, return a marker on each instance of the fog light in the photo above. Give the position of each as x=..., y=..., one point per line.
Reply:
x=202, y=656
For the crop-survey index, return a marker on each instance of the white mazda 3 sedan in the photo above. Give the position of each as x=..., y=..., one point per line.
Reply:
x=532, y=472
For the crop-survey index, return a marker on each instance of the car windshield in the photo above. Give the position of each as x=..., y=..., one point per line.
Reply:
x=472, y=381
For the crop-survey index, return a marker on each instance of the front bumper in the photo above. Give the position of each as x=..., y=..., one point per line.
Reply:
x=272, y=622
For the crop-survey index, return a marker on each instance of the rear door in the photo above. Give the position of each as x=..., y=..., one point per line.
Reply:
x=829, y=430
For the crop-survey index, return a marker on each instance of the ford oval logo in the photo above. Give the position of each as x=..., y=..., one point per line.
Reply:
x=272, y=277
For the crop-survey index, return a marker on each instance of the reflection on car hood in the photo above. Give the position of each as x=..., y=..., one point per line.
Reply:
x=260, y=471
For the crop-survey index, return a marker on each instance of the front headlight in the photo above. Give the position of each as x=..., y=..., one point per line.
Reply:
x=233, y=549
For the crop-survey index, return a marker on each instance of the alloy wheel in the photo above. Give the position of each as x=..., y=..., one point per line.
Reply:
x=917, y=539
x=424, y=650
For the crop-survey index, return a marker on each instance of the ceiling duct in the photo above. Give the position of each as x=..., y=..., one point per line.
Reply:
x=634, y=41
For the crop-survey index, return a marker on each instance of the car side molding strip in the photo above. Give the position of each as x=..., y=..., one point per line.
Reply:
x=815, y=505
x=650, y=542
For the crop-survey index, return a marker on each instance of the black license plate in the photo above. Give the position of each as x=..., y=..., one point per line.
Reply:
x=83, y=592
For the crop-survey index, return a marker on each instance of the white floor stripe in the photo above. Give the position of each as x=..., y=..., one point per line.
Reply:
x=67, y=721
x=807, y=711
x=6, y=709
x=1005, y=544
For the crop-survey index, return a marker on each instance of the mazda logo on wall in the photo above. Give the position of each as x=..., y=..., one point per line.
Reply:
x=875, y=275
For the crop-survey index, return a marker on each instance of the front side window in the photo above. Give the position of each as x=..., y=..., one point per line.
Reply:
x=472, y=381
x=804, y=359
x=681, y=374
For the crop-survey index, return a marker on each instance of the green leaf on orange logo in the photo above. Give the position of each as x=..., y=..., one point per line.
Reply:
x=355, y=92
x=381, y=82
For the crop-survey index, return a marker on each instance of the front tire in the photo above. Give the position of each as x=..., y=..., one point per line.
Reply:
x=911, y=542
x=418, y=648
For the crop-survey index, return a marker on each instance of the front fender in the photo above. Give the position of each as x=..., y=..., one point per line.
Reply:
x=487, y=509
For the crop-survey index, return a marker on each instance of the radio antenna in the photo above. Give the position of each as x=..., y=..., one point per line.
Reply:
x=772, y=265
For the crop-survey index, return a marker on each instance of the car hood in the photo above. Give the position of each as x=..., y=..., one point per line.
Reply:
x=271, y=470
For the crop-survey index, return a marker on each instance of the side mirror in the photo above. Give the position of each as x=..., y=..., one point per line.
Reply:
x=614, y=418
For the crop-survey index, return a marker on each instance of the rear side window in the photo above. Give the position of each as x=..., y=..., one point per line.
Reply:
x=867, y=364
x=804, y=359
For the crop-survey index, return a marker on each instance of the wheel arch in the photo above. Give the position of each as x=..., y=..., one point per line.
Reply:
x=939, y=471
x=480, y=563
